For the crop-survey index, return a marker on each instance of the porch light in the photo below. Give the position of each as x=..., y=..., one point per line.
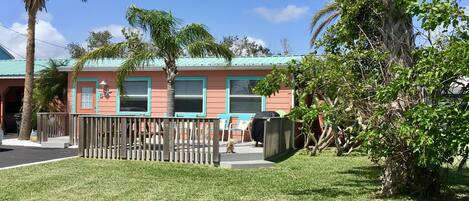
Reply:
x=103, y=84
x=106, y=92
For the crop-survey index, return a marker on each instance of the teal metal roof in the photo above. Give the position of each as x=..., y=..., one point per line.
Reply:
x=17, y=67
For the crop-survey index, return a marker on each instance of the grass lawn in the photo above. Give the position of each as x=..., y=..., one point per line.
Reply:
x=298, y=178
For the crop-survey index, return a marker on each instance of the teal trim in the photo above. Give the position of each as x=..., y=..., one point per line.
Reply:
x=204, y=106
x=148, y=112
x=227, y=95
x=74, y=93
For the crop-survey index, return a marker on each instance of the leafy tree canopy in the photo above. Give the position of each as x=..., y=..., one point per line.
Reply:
x=243, y=46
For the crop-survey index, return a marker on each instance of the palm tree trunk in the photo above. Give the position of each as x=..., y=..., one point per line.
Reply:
x=171, y=72
x=398, y=39
x=25, y=129
x=170, y=94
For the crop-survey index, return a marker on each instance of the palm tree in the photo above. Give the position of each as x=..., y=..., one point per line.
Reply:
x=50, y=88
x=168, y=40
x=32, y=8
x=329, y=13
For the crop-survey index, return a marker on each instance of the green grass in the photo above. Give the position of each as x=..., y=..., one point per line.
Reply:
x=298, y=178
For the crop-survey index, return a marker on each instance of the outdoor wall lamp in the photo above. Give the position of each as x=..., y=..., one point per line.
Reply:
x=106, y=92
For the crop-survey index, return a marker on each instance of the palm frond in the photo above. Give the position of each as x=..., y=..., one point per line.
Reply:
x=108, y=51
x=321, y=26
x=329, y=8
x=155, y=21
x=136, y=60
x=193, y=32
x=204, y=48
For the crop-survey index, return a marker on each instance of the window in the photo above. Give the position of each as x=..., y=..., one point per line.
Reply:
x=241, y=97
x=87, y=98
x=136, y=97
x=189, y=95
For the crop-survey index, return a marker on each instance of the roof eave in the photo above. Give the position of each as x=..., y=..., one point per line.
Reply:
x=181, y=68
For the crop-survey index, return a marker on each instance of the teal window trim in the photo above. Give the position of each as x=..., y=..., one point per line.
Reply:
x=118, y=97
x=227, y=105
x=74, y=93
x=204, y=106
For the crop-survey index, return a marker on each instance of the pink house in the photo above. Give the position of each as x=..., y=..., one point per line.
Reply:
x=205, y=87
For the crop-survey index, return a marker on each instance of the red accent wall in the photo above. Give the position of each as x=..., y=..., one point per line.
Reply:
x=5, y=85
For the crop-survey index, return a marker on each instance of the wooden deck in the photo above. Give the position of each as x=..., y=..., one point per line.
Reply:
x=181, y=140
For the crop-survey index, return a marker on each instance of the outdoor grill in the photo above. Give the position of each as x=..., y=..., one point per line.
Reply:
x=257, y=131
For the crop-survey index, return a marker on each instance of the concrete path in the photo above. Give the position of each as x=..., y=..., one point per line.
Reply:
x=21, y=143
x=18, y=155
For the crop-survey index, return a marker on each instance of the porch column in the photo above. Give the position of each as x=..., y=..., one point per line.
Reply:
x=2, y=109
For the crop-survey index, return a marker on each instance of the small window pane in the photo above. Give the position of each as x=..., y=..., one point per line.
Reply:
x=189, y=96
x=189, y=87
x=194, y=105
x=135, y=98
x=136, y=87
x=87, y=98
x=245, y=104
x=242, y=87
x=134, y=104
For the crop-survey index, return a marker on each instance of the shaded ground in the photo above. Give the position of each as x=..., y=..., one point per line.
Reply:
x=300, y=177
x=17, y=155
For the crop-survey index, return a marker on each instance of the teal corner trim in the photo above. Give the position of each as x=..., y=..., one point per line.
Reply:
x=74, y=93
x=227, y=95
x=148, y=112
x=204, y=105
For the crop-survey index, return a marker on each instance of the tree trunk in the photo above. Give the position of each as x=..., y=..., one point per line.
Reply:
x=463, y=161
x=398, y=40
x=26, y=117
x=394, y=177
x=171, y=72
x=170, y=94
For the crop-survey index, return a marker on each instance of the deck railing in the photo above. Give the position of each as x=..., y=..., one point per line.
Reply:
x=278, y=137
x=185, y=140
x=51, y=125
x=74, y=127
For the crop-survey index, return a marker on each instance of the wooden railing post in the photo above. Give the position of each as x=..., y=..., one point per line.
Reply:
x=66, y=124
x=264, y=144
x=81, y=145
x=216, y=142
x=123, y=137
x=166, y=140
x=39, y=127
x=70, y=129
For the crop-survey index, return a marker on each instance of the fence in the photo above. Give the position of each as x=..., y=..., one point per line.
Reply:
x=185, y=140
x=278, y=137
x=51, y=125
x=73, y=127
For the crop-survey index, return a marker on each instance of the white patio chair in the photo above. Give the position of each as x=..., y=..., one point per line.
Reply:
x=242, y=125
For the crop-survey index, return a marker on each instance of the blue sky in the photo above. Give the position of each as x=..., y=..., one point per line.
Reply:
x=263, y=20
x=266, y=21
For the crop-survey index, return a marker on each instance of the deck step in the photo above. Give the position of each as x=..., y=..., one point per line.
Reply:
x=246, y=164
x=55, y=145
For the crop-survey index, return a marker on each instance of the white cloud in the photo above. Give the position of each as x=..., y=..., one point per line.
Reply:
x=115, y=30
x=45, y=31
x=289, y=13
